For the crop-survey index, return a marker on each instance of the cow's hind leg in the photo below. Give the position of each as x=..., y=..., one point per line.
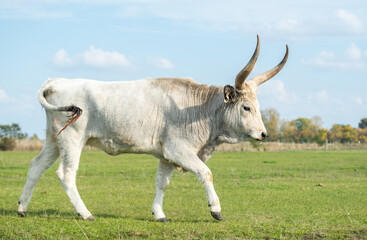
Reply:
x=38, y=166
x=69, y=162
x=164, y=174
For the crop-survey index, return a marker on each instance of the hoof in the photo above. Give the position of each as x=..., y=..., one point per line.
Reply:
x=90, y=218
x=22, y=214
x=217, y=216
x=162, y=220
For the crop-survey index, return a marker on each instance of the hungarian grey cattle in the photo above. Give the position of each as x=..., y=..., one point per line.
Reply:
x=176, y=120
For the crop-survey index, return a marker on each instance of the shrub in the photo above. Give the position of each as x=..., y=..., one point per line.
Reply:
x=7, y=144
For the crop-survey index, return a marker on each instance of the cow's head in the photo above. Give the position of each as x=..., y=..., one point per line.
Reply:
x=243, y=116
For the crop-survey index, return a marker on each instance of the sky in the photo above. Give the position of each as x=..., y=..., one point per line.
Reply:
x=210, y=41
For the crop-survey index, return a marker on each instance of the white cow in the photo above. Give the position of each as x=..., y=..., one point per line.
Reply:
x=176, y=120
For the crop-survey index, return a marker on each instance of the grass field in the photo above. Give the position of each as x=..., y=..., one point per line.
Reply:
x=263, y=195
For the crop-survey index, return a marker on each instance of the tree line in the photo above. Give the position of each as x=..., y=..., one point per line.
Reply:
x=307, y=130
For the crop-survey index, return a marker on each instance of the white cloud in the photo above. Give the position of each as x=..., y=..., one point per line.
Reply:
x=303, y=19
x=322, y=96
x=161, y=63
x=321, y=22
x=322, y=103
x=93, y=57
x=61, y=59
x=353, y=52
x=358, y=100
x=96, y=57
x=351, y=20
x=292, y=26
x=3, y=96
x=327, y=55
x=277, y=90
x=352, y=60
x=303, y=25
x=322, y=100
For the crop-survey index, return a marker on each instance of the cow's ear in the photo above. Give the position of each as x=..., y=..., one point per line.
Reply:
x=229, y=94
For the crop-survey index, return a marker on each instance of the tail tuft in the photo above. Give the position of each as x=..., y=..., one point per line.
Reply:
x=76, y=113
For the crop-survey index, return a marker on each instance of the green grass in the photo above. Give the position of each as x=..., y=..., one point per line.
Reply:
x=263, y=195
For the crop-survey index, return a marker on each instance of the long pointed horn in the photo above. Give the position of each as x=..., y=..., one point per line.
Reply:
x=243, y=74
x=271, y=73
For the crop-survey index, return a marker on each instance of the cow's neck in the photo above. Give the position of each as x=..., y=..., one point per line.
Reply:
x=218, y=133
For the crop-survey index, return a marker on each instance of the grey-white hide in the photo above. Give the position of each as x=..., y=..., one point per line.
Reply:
x=176, y=120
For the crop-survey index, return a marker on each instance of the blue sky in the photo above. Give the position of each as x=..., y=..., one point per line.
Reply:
x=210, y=41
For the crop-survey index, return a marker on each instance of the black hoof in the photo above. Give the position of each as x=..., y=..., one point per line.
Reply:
x=22, y=214
x=162, y=220
x=90, y=218
x=217, y=216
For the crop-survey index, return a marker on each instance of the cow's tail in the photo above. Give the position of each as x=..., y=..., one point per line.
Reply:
x=45, y=91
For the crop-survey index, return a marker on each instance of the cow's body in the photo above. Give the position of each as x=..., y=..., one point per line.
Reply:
x=177, y=120
x=139, y=116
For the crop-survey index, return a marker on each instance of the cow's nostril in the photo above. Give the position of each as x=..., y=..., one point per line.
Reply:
x=264, y=135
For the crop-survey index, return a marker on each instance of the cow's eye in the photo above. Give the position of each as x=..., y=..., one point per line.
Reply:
x=247, y=108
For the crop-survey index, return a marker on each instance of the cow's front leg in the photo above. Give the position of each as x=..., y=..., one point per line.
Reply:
x=205, y=176
x=164, y=174
x=185, y=157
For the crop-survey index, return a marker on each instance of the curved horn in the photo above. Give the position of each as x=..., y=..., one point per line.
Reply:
x=243, y=74
x=259, y=79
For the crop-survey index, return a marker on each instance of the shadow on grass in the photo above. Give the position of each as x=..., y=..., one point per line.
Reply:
x=13, y=212
x=56, y=214
x=49, y=213
x=53, y=213
x=175, y=220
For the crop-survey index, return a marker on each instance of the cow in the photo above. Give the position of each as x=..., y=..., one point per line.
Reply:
x=177, y=120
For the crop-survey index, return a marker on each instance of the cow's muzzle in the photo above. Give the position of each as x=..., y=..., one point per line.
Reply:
x=264, y=135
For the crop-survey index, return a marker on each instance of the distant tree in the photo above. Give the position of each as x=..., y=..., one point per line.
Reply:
x=302, y=130
x=34, y=137
x=287, y=131
x=12, y=131
x=350, y=134
x=363, y=123
x=343, y=133
x=271, y=121
x=305, y=129
x=302, y=123
x=316, y=122
x=321, y=136
x=7, y=144
x=362, y=135
x=8, y=134
x=336, y=133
